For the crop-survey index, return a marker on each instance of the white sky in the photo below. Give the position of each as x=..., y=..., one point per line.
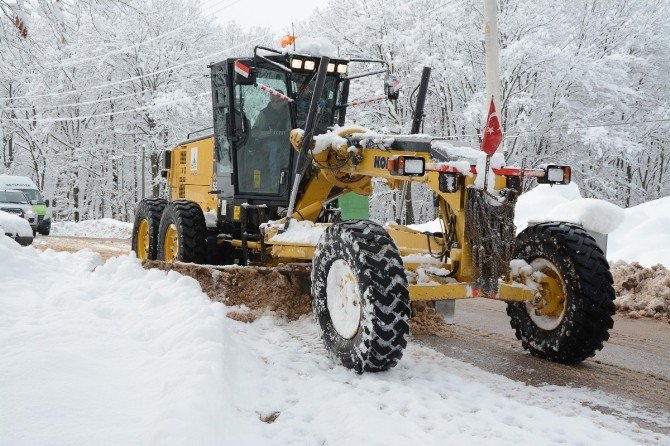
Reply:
x=277, y=14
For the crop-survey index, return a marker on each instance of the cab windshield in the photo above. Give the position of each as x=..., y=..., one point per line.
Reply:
x=33, y=194
x=12, y=196
x=303, y=86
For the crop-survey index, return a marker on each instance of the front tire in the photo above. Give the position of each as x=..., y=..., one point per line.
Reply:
x=182, y=233
x=145, y=229
x=360, y=296
x=571, y=320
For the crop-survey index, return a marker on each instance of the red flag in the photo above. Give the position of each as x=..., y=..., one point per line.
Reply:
x=492, y=132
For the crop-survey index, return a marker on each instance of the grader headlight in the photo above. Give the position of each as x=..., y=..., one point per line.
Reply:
x=409, y=166
x=296, y=64
x=309, y=65
x=556, y=175
x=342, y=68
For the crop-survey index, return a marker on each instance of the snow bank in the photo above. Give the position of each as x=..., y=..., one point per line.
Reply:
x=15, y=225
x=644, y=234
x=102, y=228
x=123, y=355
x=118, y=355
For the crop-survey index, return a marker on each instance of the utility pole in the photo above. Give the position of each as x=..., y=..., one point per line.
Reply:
x=492, y=50
x=144, y=148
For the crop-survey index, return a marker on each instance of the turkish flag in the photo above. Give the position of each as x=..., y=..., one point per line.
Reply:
x=492, y=132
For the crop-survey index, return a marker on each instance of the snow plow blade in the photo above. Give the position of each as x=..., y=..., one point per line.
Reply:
x=284, y=289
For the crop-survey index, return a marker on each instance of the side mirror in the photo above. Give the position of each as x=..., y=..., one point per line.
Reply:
x=47, y=203
x=392, y=87
x=244, y=74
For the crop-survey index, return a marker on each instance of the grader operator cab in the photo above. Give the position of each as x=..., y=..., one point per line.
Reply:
x=257, y=193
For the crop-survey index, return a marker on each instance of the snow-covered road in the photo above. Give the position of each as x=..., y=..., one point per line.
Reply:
x=116, y=354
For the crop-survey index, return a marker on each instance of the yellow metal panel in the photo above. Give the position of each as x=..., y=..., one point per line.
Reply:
x=192, y=174
x=294, y=252
x=440, y=292
x=236, y=212
x=410, y=241
x=515, y=293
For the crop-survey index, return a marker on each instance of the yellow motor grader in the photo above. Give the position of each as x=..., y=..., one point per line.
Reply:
x=259, y=192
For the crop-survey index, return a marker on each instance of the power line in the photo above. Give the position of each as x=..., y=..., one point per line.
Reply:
x=120, y=112
x=76, y=104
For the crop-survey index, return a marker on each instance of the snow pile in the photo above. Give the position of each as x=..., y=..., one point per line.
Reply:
x=454, y=151
x=123, y=355
x=328, y=139
x=595, y=215
x=15, y=225
x=537, y=203
x=302, y=232
x=642, y=291
x=564, y=203
x=102, y=228
x=317, y=47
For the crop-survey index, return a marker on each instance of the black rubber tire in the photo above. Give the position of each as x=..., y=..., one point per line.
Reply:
x=375, y=261
x=150, y=209
x=589, y=293
x=189, y=220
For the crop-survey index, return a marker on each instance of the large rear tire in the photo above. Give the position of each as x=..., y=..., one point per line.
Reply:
x=360, y=296
x=182, y=233
x=145, y=230
x=571, y=320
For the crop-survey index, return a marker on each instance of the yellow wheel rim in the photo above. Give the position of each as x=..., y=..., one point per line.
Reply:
x=143, y=239
x=548, y=311
x=171, y=249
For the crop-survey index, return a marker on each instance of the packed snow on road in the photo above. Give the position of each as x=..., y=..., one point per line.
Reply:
x=113, y=353
x=101, y=228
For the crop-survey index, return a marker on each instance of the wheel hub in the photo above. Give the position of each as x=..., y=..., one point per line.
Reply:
x=548, y=310
x=143, y=240
x=343, y=299
x=171, y=243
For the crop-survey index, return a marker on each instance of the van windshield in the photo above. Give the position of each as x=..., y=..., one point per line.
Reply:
x=33, y=194
x=12, y=196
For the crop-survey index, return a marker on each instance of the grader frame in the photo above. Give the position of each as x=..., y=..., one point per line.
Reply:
x=559, y=292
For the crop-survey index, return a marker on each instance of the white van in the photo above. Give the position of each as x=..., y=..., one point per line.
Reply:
x=30, y=189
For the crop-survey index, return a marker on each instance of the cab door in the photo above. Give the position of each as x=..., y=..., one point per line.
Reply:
x=262, y=154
